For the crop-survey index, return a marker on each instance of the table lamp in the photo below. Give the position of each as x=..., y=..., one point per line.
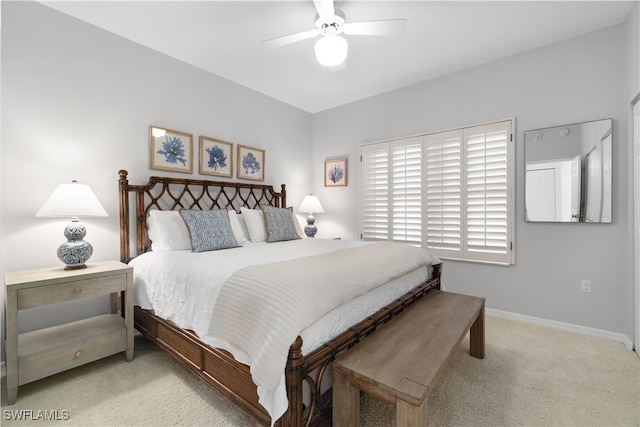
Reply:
x=311, y=204
x=73, y=200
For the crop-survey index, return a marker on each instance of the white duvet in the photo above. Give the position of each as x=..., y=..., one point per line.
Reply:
x=183, y=287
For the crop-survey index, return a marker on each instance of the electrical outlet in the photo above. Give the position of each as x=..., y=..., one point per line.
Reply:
x=585, y=286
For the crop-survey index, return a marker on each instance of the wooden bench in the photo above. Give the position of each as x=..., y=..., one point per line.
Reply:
x=402, y=361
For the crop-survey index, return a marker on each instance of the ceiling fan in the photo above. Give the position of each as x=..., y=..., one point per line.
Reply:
x=331, y=49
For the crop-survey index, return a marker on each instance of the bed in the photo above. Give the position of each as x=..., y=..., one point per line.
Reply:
x=295, y=360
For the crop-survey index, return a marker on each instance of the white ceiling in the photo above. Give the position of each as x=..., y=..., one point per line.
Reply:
x=223, y=37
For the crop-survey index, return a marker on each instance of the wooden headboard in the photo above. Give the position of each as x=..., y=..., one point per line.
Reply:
x=169, y=193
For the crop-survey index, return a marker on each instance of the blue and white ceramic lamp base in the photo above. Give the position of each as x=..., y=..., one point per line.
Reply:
x=310, y=229
x=75, y=252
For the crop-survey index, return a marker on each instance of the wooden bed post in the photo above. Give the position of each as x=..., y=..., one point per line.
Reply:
x=140, y=223
x=283, y=195
x=437, y=274
x=293, y=375
x=123, y=184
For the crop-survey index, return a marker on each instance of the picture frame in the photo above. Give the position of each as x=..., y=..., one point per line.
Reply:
x=216, y=157
x=335, y=172
x=170, y=150
x=251, y=163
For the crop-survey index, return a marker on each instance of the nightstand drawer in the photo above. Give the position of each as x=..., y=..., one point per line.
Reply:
x=69, y=291
x=76, y=345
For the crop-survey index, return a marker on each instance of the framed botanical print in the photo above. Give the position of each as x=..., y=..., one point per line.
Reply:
x=250, y=163
x=170, y=150
x=335, y=173
x=216, y=157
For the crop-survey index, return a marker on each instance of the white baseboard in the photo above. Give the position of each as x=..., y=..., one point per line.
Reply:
x=565, y=326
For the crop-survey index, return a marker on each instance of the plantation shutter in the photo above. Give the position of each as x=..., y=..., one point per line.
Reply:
x=443, y=176
x=375, y=191
x=406, y=190
x=451, y=192
x=488, y=209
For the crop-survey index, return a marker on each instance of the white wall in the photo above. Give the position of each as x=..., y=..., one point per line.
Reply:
x=574, y=81
x=77, y=102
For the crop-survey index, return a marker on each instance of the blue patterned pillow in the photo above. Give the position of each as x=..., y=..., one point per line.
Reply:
x=280, y=225
x=209, y=230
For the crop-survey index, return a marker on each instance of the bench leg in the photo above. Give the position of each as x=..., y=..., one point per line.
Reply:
x=346, y=401
x=476, y=336
x=409, y=415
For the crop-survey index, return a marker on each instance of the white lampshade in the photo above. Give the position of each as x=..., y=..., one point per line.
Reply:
x=311, y=204
x=72, y=200
x=331, y=50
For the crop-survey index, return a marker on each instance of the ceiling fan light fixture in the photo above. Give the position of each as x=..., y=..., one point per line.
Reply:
x=331, y=50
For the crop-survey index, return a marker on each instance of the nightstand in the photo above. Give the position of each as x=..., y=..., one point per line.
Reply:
x=34, y=355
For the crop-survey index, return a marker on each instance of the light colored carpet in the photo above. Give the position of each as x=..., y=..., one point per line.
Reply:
x=532, y=376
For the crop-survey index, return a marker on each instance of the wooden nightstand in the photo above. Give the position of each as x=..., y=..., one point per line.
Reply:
x=38, y=354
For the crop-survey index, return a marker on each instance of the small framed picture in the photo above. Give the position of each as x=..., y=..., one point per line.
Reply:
x=250, y=163
x=170, y=150
x=335, y=173
x=216, y=157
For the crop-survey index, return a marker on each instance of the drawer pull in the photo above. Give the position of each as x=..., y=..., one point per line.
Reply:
x=78, y=354
x=77, y=290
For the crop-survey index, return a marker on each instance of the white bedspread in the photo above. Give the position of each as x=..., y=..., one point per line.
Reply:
x=185, y=287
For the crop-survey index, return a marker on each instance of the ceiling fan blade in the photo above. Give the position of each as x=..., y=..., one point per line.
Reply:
x=389, y=27
x=291, y=38
x=325, y=8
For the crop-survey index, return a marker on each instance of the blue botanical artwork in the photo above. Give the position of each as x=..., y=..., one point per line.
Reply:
x=336, y=173
x=217, y=158
x=250, y=164
x=170, y=150
x=173, y=150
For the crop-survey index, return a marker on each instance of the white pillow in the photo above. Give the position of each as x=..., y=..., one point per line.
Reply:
x=298, y=226
x=239, y=227
x=168, y=231
x=254, y=219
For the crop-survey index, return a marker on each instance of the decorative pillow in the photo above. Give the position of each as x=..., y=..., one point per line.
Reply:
x=167, y=231
x=280, y=224
x=209, y=230
x=254, y=219
x=239, y=227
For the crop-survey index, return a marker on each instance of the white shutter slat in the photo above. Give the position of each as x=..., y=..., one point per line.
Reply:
x=375, y=199
x=487, y=233
x=406, y=201
x=443, y=190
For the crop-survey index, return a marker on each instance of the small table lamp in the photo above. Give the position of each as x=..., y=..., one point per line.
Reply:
x=311, y=205
x=73, y=200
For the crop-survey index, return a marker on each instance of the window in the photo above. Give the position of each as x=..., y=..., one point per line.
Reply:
x=451, y=192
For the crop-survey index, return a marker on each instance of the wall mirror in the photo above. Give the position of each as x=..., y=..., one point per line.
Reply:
x=568, y=173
